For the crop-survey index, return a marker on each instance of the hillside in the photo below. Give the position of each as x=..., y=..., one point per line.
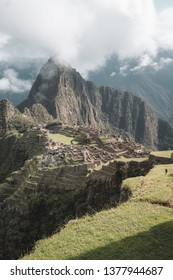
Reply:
x=71, y=171
x=65, y=155
x=140, y=228
x=60, y=179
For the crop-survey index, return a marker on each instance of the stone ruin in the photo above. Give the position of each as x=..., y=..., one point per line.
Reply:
x=113, y=147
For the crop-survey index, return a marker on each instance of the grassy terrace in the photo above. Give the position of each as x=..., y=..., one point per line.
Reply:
x=138, y=229
x=61, y=138
x=166, y=154
x=131, y=159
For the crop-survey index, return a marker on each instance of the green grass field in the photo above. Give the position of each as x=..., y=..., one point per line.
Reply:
x=61, y=138
x=156, y=187
x=166, y=154
x=141, y=228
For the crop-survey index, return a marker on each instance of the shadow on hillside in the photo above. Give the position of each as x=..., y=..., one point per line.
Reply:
x=156, y=243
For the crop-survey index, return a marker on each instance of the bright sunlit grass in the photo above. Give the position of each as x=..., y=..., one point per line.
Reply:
x=166, y=154
x=155, y=187
x=61, y=138
x=138, y=229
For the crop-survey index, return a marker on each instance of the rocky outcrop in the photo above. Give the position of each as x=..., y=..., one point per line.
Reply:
x=72, y=100
x=16, y=148
x=165, y=135
x=12, y=119
x=19, y=140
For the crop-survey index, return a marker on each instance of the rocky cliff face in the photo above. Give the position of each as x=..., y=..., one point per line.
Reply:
x=155, y=86
x=64, y=93
x=68, y=97
x=12, y=119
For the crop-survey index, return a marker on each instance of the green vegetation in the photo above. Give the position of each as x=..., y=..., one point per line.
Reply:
x=4, y=185
x=138, y=229
x=131, y=159
x=53, y=123
x=20, y=122
x=40, y=114
x=166, y=154
x=156, y=187
x=61, y=138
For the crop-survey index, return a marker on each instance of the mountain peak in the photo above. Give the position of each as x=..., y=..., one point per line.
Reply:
x=72, y=100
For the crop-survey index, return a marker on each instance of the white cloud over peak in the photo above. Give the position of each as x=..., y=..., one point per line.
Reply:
x=85, y=32
x=112, y=74
x=149, y=61
x=11, y=82
x=123, y=70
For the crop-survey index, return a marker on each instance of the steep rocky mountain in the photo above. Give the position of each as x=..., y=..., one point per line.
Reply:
x=72, y=100
x=151, y=80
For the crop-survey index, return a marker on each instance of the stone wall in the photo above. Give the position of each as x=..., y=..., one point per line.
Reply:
x=6, y=112
x=160, y=160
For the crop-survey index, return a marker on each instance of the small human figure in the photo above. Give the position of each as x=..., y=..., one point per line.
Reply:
x=166, y=171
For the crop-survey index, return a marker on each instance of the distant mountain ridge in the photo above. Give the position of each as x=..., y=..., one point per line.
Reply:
x=72, y=100
x=154, y=82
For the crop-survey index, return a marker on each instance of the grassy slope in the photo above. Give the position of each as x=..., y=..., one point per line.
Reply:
x=60, y=138
x=138, y=229
x=156, y=187
x=166, y=154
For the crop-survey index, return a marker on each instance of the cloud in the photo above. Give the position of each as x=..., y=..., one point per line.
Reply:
x=152, y=62
x=10, y=82
x=3, y=39
x=165, y=61
x=123, y=70
x=164, y=29
x=112, y=74
x=85, y=32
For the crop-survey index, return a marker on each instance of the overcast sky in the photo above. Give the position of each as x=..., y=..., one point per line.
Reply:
x=85, y=32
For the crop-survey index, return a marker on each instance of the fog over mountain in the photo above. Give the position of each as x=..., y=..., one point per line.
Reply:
x=86, y=34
